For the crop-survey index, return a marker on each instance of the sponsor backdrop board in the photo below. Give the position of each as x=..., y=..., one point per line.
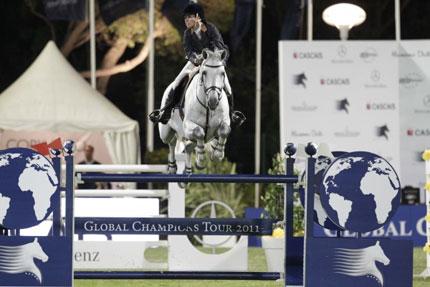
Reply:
x=414, y=72
x=359, y=95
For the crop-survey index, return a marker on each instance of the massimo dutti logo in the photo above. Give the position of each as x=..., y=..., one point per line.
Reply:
x=343, y=105
x=304, y=107
x=308, y=55
x=346, y=133
x=334, y=82
x=369, y=55
x=381, y=106
x=382, y=131
x=423, y=54
x=300, y=80
x=311, y=133
x=402, y=54
x=411, y=80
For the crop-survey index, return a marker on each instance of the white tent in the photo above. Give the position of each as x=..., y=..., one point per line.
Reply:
x=52, y=96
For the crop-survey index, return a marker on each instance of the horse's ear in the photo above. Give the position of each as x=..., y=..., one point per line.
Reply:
x=35, y=239
x=205, y=53
x=223, y=55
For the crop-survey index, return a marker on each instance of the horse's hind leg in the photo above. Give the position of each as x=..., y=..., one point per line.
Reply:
x=223, y=132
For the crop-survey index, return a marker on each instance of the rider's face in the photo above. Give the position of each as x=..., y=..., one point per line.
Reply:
x=191, y=21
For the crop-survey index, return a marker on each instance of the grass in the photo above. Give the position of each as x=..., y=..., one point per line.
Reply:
x=257, y=262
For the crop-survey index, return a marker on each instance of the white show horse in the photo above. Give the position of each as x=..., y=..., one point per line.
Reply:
x=206, y=118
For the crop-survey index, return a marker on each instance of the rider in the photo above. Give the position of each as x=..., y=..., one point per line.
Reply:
x=199, y=35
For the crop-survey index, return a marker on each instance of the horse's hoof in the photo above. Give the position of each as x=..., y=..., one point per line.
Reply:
x=218, y=155
x=182, y=184
x=200, y=167
x=188, y=171
x=172, y=168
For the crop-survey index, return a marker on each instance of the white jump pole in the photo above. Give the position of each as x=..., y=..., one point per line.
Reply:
x=259, y=13
x=310, y=20
x=92, y=43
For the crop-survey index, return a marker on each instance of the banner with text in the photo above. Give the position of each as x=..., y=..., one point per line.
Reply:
x=341, y=93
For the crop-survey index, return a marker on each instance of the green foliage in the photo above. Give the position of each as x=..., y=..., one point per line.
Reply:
x=133, y=28
x=230, y=193
x=158, y=156
x=273, y=197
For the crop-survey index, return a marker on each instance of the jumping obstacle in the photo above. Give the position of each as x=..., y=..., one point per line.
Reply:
x=309, y=261
x=426, y=157
x=173, y=179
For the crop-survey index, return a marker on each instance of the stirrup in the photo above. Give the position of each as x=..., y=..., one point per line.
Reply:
x=237, y=118
x=155, y=116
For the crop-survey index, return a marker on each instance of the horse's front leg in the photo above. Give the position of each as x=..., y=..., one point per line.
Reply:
x=223, y=132
x=199, y=135
x=172, y=167
x=196, y=134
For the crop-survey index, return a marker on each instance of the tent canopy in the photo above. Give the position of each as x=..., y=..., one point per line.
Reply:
x=52, y=96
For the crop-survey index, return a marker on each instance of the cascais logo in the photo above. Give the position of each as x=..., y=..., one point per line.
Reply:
x=381, y=106
x=334, y=81
x=411, y=80
x=308, y=55
x=382, y=131
x=369, y=55
x=300, y=80
x=418, y=132
x=342, y=105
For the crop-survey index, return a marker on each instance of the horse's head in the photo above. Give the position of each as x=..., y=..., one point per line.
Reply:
x=37, y=251
x=212, y=75
x=379, y=254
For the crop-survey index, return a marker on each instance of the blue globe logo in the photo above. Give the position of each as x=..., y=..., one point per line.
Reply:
x=27, y=184
x=320, y=215
x=360, y=191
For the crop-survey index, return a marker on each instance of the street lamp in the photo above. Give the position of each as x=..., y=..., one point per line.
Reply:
x=344, y=16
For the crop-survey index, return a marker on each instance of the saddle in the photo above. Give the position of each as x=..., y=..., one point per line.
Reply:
x=181, y=90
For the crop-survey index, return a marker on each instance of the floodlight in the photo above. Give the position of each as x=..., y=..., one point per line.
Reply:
x=344, y=16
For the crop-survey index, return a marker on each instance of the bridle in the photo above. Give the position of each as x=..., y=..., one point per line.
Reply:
x=206, y=90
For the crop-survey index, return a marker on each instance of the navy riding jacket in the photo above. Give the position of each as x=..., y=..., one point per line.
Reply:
x=211, y=39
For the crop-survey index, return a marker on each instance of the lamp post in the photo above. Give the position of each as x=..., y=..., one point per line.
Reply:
x=344, y=16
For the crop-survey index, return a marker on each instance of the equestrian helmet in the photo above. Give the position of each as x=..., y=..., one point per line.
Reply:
x=194, y=9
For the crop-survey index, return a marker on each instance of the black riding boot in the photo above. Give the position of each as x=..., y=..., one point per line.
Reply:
x=237, y=117
x=163, y=115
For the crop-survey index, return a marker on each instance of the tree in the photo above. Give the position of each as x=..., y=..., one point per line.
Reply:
x=127, y=32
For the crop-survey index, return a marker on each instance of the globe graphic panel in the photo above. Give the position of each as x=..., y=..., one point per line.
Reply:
x=320, y=215
x=27, y=184
x=360, y=191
